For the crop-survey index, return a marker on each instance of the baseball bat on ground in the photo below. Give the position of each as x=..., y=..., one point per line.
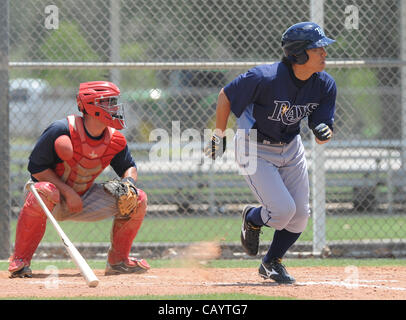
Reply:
x=77, y=258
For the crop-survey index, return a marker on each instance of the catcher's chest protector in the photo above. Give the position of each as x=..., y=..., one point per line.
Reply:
x=90, y=156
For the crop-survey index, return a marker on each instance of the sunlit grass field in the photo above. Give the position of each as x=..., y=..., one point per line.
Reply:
x=227, y=229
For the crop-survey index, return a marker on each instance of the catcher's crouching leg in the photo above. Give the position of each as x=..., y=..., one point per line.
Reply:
x=123, y=233
x=31, y=228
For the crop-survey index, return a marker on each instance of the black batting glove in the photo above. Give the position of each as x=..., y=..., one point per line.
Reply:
x=216, y=147
x=322, y=132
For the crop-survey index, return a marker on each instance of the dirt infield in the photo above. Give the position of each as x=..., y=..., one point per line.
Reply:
x=316, y=283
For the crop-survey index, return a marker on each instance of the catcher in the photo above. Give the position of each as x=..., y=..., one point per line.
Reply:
x=66, y=160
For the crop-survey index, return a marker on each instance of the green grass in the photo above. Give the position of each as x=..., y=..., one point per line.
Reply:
x=227, y=229
x=213, y=296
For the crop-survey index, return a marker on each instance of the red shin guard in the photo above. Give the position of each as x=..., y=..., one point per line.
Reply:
x=124, y=232
x=31, y=225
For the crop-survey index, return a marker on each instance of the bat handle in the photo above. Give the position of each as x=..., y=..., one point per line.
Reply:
x=86, y=271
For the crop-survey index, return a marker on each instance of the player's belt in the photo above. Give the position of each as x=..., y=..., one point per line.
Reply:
x=261, y=138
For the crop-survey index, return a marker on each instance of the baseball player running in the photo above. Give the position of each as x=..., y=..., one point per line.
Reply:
x=271, y=100
x=67, y=158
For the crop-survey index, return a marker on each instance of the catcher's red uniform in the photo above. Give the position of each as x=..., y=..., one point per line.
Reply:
x=90, y=156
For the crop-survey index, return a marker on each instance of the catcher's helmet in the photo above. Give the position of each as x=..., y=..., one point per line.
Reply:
x=300, y=37
x=99, y=99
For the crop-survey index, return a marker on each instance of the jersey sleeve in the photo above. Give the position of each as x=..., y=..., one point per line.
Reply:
x=324, y=113
x=122, y=161
x=43, y=156
x=242, y=91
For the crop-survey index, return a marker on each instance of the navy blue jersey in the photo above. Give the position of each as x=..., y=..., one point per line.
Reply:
x=270, y=98
x=44, y=156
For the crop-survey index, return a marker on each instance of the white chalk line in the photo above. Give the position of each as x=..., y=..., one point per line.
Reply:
x=361, y=283
x=346, y=284
x=350, y=285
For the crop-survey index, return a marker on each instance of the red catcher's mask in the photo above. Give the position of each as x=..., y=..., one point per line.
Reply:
x=100, y=99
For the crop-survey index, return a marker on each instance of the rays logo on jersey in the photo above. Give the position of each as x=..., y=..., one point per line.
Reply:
x=290, y=114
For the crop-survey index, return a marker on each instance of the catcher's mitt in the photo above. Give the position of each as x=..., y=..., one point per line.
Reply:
x=125, y=192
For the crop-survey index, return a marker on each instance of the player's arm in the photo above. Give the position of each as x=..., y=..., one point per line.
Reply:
x=322, y=119
x=46, y=154
x=131, y=172
x=72, y=199
x=223, y=110
x=234, y=97
x=217, y=144
x=124, y=165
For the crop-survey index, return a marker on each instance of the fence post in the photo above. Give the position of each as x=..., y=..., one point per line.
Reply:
x=318, y=179
x=403, y=82
x=4, y=134
x=115, y=39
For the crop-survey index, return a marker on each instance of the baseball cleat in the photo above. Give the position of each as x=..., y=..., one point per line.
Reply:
x=249, y=234
x=25, y=272
x=19, y=268
x=131, y=265
x=276, y=271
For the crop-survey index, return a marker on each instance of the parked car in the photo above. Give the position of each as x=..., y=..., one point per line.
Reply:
x=34, y=104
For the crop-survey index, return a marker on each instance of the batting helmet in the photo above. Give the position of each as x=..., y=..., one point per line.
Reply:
x=300, y=37
x=99, y=99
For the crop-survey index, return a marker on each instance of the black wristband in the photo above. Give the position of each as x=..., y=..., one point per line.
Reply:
x=129, y=179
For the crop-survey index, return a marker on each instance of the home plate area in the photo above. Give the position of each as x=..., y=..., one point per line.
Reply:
x=312, y=283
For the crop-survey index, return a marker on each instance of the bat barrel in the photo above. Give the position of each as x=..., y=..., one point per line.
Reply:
x=91, y=279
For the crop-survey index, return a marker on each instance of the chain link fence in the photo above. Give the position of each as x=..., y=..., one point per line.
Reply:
x=170, y=59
